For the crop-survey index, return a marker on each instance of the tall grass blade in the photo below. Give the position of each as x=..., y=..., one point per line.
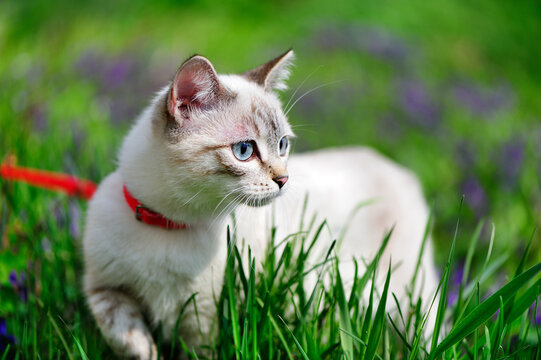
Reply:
x=303, y=353
x=518, y=271
x=60, y=335
x=232, y=300
x=379, y=321
x=484, y=311
x=523, y=302
x=442, y=306
x=343, y=316
x=467, y=266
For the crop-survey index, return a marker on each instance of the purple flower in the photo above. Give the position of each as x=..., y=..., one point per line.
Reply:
x=119, y=72
x=483, y=102
x=90, y=65
x=74, y=212
x=59, y=214
x=455, y=284
x=535, y=313
x=475, y=195
x=510, y=160
x=452, y=297
x=373, y=41
x=458, y=275
x=39, y=116
x=417, y=104
x=19, y=284
x=383, y=45
x=5, y=338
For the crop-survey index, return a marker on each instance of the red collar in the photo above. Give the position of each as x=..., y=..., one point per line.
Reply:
x=148, y=216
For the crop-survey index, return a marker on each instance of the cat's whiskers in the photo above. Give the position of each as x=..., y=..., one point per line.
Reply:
x=230, y=206
x=193, y=197
x=301, y=84
x=310, y=91
x=225, y=211
x=223, y=199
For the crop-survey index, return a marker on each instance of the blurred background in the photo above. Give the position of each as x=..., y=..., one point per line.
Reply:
x=450, y=89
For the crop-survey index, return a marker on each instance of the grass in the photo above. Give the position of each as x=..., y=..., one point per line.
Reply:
x=448, y=89
x=271, y=314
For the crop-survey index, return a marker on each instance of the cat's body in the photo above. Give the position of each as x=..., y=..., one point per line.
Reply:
x=189, y=158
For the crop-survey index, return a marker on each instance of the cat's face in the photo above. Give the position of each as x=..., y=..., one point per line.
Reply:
x=226, y=137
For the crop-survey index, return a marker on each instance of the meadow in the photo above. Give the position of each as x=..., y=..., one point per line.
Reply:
x=450, y=90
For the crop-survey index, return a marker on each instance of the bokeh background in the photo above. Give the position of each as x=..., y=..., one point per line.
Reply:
x=450, y=89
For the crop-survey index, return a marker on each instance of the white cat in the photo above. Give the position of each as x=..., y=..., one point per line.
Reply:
x=208, y=144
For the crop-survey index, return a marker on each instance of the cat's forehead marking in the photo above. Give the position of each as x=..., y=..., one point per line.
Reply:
x=266, y=115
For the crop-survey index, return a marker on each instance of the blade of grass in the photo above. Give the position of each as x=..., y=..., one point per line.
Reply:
x=524, y=302
x=354, y=337
x=400, y=335
x=343, y=316
x=484, y=311
x=60, y=335
x=379, y=321
x=445, y=281
x=467, y=266
x=367, y=320
x=497, y=330
x=303, y=353
x=80, y=348
x=6, y=352
x=518, y=271
x=371, y=268
x=232, y=298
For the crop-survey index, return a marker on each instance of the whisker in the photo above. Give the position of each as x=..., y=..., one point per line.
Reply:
x=193, y=197
x=301, y=84
x=310, y=91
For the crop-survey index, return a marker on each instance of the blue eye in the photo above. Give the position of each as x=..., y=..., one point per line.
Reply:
x=282, y=146
x=243, y=150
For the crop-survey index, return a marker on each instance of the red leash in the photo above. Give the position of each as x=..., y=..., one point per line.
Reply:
x=74, y=186
x=69, y=184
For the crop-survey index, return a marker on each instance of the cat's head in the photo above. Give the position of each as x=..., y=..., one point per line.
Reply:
x=226, y=138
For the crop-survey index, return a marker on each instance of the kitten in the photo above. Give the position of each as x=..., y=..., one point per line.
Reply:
x=206, y=145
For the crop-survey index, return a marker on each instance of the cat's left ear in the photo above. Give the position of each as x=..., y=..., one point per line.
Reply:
x=273, y=74
x=196, y=85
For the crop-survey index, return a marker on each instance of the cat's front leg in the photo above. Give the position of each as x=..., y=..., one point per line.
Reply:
x=121, y=322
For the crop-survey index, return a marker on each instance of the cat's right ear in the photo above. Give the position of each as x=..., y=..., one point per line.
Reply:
x=195, y=85
x=273, y=74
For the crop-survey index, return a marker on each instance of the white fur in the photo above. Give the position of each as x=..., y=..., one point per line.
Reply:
x=133, y=269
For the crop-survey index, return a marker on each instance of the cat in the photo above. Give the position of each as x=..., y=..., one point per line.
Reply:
x=209, y=144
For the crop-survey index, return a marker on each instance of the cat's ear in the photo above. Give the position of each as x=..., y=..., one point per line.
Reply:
x=273, y=74
x=195, y=85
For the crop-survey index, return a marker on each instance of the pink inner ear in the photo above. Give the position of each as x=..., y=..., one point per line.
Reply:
x=195, y=85
x=184, y=92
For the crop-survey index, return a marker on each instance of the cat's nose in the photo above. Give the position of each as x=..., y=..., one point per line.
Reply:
x=280, y=180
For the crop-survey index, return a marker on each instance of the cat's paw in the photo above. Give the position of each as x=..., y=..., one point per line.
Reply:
x=136, y=345
x=122, y=324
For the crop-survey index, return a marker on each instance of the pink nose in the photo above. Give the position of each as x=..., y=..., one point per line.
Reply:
x=281, y=180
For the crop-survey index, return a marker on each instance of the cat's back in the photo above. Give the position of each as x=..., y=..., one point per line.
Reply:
x=339, y=179
x=339, y=164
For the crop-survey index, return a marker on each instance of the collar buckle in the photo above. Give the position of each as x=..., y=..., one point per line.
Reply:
x=138, y=213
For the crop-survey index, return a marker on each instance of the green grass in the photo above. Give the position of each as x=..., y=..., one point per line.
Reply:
x=449, y=89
